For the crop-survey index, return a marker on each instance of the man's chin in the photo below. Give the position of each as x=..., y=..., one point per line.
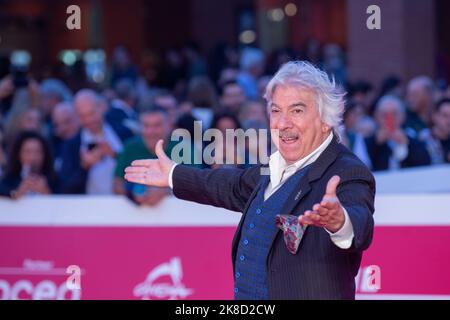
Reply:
x=289, y=156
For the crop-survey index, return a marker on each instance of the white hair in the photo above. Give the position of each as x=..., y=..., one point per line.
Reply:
x=302, y=74
x=391, y=99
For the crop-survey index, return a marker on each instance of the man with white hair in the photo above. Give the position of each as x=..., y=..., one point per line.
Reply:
x=89, y=158
x=65, y=126
x=420, y=97
x=318, y=193
x=391, y=147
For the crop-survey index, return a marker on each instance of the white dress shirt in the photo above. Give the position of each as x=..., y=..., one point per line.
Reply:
x=100, y=175
x=280, y=171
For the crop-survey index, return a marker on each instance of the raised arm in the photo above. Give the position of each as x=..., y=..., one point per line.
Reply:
x=226, y=188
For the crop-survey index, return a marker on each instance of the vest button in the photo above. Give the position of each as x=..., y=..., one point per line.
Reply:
x=242, y=258
x=258, y=211
x=252, y=225
x=238, y=275
x=245, y=242
x=236, y=290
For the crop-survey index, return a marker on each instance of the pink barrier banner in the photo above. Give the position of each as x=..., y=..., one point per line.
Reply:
x=107, y=248
x=193, y=262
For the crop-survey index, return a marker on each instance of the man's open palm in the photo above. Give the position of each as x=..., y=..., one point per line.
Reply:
x=151, y=172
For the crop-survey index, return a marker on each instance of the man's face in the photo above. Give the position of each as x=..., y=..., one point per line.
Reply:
x=65, y=123
x=48, y=103
x=32, y=154
x=31, y=120
x=441, y=118
x=233, y=96
x=418, y=97
x=170, y=104
x=388, y=116
x=154, y=127
x=90, y=114
x=295, y=123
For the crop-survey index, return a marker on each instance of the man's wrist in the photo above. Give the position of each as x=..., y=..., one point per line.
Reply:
x=338, y=226
x=170, y=180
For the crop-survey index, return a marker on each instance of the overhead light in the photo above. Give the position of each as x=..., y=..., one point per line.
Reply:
x=247, y=36
x=69, y=57
x=290, y=9
x=276, y=14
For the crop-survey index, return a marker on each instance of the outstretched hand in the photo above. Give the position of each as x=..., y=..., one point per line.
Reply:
x=329, y=213
x=151, y=172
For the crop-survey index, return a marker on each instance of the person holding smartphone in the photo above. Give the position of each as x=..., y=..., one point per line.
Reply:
x=30, y=168
x=390, y=147
x=89, y=158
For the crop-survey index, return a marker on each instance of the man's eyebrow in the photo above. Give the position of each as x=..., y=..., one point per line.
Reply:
x=274, y=105
x=297, y=104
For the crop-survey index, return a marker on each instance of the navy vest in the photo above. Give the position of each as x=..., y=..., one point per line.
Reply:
x=258, y=229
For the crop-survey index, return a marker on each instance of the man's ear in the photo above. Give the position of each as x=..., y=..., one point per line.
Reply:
x=325, y=128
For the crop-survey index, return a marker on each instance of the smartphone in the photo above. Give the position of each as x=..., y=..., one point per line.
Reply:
x=91, y=146
x=389, y=120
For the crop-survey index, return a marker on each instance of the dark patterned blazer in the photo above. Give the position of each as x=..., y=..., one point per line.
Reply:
x=320, y=269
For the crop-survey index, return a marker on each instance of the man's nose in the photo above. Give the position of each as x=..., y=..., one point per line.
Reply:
x=284, y=121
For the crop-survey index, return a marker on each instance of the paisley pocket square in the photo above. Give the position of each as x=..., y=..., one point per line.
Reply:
x=292, y=229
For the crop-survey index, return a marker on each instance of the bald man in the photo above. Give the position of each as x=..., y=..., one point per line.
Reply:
x=88, y=159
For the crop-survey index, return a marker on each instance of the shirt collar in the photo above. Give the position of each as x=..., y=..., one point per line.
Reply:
x=277, y=164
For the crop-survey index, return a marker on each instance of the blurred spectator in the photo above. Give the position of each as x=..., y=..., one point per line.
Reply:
x=262, y=84
x=227, y=75
x=30, y=167
x=351, y=137
x=437, y=138
x=162, y=98
x=52, y=92
x=155, y=126
x=2, y=147
x=334, y=63
x=392, y=85
x=254, y=111
x=10, y=88
x=21, y=119
x=224, y=56
x=165, y=99
x=196, y=64
x=173, y=73
x=232, y=96
x=202, y=95
x=359, y=93
x=66, y=126
x=122, y=67
x=227, y=154
x=121, y=114
x=6, y=92
x=252, y=67
x=253, y=115
x=390, y=147
x=312, y=51
x=280, y=57
x=420, y=98
x=88, y=159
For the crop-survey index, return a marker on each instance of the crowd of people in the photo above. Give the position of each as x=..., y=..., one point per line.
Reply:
x=64, y=135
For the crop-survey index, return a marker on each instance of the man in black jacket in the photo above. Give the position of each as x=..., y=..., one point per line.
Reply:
x=313, y=178
x=391, y=147
x=88, y=159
